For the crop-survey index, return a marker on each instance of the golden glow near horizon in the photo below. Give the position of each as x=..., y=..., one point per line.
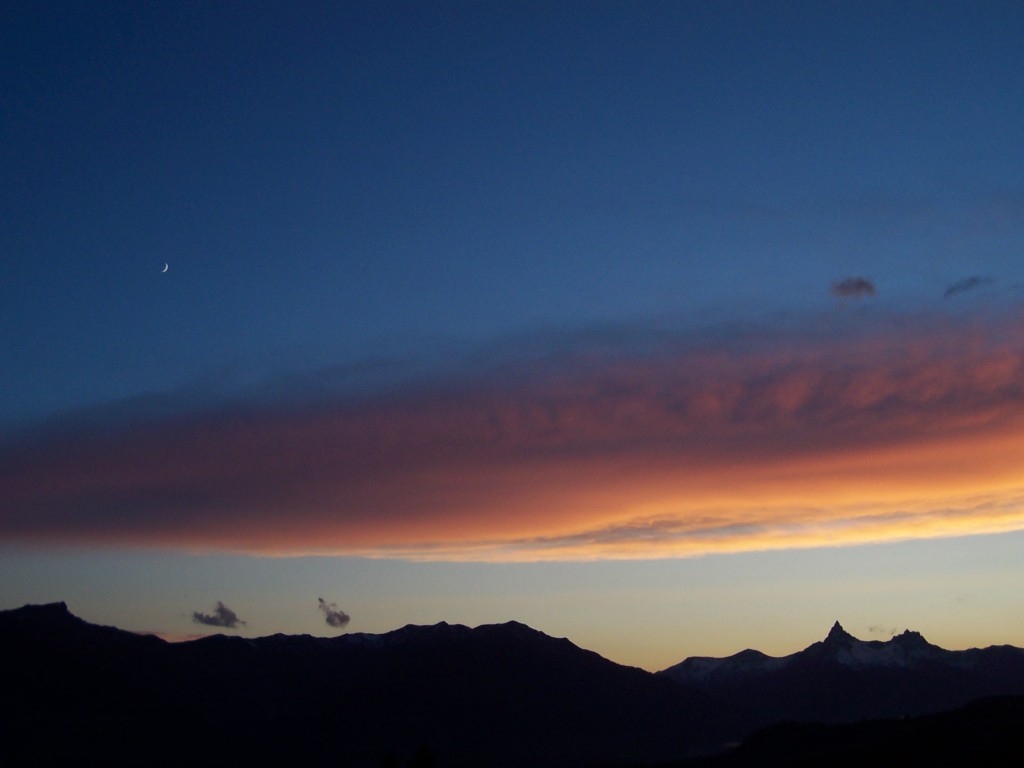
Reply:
x=898, y=435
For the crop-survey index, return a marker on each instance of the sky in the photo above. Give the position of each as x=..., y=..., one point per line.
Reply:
x=671, y=328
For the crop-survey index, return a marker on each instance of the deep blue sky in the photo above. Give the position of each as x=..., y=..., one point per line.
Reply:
x=457, y=287
x=350, y=182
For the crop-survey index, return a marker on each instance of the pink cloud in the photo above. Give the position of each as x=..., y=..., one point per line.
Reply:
x=677, y=450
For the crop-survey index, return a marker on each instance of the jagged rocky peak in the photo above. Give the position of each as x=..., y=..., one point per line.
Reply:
x=911, y=638
x=839, y=635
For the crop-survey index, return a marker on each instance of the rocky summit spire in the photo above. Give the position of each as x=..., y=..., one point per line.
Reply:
x=838, y=635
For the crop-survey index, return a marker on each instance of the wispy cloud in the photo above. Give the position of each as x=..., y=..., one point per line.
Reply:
x=878, y=629
x=853, y=288
x=967, y=284
x=222, y=616
x=683, y=445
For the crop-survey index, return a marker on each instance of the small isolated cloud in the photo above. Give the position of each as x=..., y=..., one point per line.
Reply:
x=853, y=288
x=334, y=616
x=877, y=629
x=967, y=284
x=222, y=616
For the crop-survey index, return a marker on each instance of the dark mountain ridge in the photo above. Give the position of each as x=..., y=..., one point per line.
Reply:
x=497, y=695
x=493, y=695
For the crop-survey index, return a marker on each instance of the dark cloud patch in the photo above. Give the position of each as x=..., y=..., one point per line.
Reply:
x=222, y=616
x=967, y=284
x=334, y=616
x=853, y=288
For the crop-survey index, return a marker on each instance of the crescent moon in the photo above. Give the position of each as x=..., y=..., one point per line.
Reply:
x=166, y=265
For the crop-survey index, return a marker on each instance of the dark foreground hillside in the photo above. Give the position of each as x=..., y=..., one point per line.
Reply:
x=984, y=734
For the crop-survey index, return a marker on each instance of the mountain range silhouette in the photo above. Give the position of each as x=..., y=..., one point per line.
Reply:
x=449, y=695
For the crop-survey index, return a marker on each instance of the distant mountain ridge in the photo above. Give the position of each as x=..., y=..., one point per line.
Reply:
x=497, y=695
x=904, y=650
x=844, y=679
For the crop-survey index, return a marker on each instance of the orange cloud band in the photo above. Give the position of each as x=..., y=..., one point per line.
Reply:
x=912, y=430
